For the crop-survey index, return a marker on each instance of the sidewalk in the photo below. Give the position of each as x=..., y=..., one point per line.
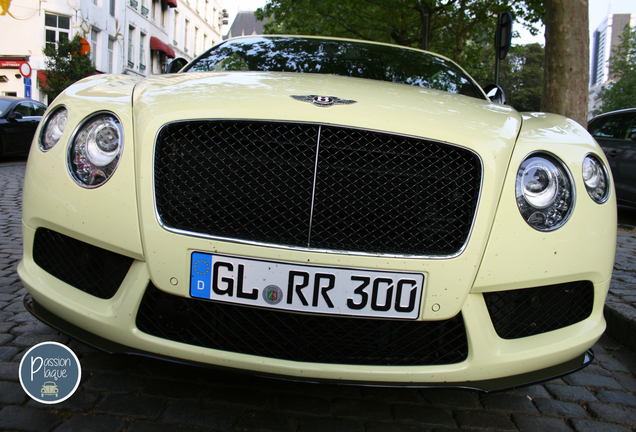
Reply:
x=620, y=306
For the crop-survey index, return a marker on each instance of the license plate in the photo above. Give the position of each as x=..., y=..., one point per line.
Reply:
x=306, y=288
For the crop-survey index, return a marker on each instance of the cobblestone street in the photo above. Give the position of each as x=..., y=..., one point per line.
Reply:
x=135, y=394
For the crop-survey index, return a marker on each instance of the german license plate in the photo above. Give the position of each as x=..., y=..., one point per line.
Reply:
x=306, y=288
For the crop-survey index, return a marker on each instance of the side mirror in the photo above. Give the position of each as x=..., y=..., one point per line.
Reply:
x=15, y=116
x=495, y=94
x=176, y=65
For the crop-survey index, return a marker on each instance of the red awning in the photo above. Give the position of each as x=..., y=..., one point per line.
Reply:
x=157, y=45
x=171, y=3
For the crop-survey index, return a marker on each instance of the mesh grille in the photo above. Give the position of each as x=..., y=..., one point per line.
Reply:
x=368, y=191
x=527, y=312
x=86, y=267
x=306, y=338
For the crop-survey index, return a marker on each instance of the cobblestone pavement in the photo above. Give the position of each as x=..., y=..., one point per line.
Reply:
x=125, y=393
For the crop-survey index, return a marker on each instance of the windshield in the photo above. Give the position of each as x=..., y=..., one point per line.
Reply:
x=4, y=105
x=347, y=58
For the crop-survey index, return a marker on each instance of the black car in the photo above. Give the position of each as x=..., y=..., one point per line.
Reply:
x=19, y=118
x=616, y=133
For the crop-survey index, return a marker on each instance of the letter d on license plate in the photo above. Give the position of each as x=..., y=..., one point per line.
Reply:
x=306, y=288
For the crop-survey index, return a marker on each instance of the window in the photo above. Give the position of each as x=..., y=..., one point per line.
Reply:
x=111, y=54
x=94, y=39
x=196, y=40
x=176, y=28
x=112, y=8
x=185, y=38
x=57, y=28
x=163, y=14
x=142, y=52
x=38, y=109
x=155, y=10
x=205, y=11
x=205, y=41
x=25, y=108
x=131, y=36
x=607, y=127
x=630, y=130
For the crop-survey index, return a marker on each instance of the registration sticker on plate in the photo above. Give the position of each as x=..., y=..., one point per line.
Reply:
x=306, y=288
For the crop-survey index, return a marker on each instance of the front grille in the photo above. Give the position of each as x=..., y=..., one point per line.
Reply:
x=306, y=338
x=324, y=187
x=531, y=311
x=88, y=268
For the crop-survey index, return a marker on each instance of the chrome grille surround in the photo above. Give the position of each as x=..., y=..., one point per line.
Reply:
x=315, y=187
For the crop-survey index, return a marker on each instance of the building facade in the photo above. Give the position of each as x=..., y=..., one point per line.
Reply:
x=604, y=40
x=245, y=24
x=135, y=37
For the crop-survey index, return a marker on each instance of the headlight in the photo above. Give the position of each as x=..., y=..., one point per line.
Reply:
x=95, y=150
x=596, y=179
x=53, y=129
x=545, y=192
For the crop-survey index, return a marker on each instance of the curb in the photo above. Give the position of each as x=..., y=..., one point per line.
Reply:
x=621, y=323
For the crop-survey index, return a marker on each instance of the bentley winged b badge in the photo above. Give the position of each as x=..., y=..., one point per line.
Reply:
x=324, y=101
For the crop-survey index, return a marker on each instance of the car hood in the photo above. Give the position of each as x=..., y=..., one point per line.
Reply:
x=383, y=106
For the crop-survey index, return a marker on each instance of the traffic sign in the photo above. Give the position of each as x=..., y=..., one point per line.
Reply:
x=25, y=69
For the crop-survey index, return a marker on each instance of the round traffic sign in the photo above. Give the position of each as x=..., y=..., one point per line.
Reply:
x=25, y=69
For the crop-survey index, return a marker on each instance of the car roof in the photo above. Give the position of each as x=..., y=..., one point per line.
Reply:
x=622, y=111
x=19, y=99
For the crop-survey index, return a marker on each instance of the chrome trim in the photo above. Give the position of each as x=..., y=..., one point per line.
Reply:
x=565, y=168
x=45, y=122
x=69, y=149
x=313, y=186
x=307, y=249
x=608, y=178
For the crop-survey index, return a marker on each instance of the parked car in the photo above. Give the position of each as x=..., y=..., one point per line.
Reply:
x=320, y=209
x=616, y=133
x=19, y=118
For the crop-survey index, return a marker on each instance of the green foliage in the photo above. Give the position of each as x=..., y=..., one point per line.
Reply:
x=621, y=91
x=522, y=77
x=64, y=66
x=462, y=30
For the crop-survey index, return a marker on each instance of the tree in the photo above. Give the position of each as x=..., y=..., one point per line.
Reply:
x=521, y=76
x=567, y=58
x=621, y=91
x=65, y=64
x=460, y=29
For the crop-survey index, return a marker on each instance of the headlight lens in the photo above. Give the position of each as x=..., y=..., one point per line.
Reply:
x=545, y=192
x=96, y=149
x=596, y=179
x=53, y=129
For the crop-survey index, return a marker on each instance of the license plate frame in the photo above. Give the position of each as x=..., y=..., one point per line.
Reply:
x=306, y=288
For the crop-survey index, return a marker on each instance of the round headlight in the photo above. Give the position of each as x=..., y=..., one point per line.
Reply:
x=545, y=192
x=53, y=129
x=596, y=179
x=95, y=150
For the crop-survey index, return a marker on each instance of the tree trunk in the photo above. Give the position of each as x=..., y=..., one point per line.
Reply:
x=567, y=58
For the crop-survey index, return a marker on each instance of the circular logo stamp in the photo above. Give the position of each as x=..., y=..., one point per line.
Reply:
x=272, y=294
x=50, y=372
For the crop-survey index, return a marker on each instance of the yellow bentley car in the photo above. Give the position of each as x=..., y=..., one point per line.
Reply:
x=320, y=209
